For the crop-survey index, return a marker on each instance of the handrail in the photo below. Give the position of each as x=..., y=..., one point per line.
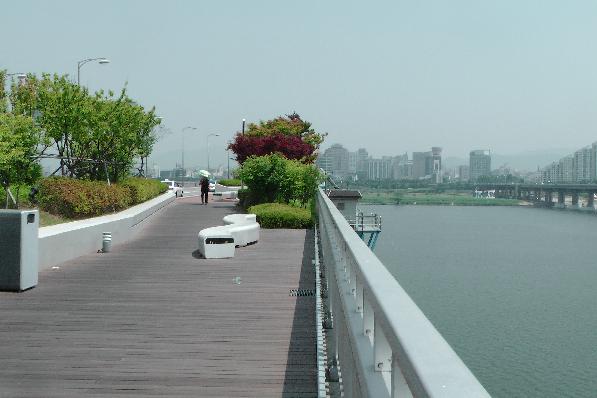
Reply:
x=383, y=343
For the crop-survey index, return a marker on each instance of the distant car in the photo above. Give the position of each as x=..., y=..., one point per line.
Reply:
x=212, y=185
x=174, y=187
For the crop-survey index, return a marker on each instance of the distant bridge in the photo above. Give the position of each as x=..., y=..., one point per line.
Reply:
x=546, y=194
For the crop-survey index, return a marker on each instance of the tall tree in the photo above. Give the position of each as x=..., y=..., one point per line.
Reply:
x=288, y=135
x=18, y=149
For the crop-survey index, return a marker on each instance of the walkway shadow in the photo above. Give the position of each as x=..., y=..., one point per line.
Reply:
x=300, y=379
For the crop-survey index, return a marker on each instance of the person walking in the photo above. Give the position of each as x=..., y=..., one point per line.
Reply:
x=204, y=189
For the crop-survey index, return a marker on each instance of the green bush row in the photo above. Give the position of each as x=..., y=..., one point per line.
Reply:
x=279, y=215
x=232, y=182
x=74, y=198
x=143, y=189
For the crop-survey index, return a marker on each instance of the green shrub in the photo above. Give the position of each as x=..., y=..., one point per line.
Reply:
x=143, y=189
x=273, y=178
x=233, y=182
x=72, y=198
x=279, y=215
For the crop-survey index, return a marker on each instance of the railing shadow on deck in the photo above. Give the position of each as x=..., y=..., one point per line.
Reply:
x=300, y=378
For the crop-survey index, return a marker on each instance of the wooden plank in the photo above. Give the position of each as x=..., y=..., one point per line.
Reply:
x=152, y=319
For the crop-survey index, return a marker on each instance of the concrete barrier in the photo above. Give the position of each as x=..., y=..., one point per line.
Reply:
x=63, y=242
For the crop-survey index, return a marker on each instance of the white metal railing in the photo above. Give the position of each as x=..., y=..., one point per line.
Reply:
x=383, y=343
x=365, y=222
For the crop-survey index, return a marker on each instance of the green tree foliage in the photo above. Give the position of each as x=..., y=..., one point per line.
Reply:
x=273, y=178
x=18, y=142
x=91, y=134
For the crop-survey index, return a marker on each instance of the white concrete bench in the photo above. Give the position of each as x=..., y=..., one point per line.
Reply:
x=241, y=229
x=216, y=242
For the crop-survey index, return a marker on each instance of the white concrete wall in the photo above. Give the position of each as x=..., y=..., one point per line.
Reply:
x=63, y=242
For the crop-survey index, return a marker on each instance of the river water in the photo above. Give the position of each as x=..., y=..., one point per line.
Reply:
x=513, y=290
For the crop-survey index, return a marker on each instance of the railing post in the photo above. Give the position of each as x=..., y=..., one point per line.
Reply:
x=382, y=350
x=368, y=319
x=359, y=295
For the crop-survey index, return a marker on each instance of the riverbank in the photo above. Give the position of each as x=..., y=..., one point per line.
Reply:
x=437, y=199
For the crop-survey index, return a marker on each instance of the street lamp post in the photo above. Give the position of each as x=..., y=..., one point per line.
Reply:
x=207, y=142
x=183, y=169
x=100, y=60
x=228, y=156
x=243, y=132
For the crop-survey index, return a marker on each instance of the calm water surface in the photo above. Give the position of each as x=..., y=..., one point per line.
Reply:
x=513, y=290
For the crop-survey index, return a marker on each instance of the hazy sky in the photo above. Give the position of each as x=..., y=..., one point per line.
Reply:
x=390, y=76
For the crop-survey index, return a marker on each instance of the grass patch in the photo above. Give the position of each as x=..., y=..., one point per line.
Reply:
x=438, y=199
x=279, y=215
x=232, y=182
x=47, y=219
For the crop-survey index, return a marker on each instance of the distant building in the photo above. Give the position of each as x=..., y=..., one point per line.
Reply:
x=419, y=164
x=566, y=170
x=352, y=163
x=400, y=169
x=579, y=167
x=428, y=165
x=479, y=164
x=379, y=169
x=362, y=156
x=436, y=164
x=464, y=173
x=582, y=165
x=335, y=161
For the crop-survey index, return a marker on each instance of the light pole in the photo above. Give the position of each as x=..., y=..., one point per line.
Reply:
x=100, y=60
x=183, y=169
x=228, y=156
x=207, y=141
x=243, y=130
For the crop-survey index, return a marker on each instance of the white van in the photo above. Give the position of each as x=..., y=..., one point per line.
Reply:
x=174, y=187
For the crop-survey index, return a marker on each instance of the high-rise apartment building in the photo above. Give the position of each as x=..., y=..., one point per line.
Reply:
x=582, y=164
x=567, y=174
x=419, y=164
x=335, y=161
x=379, y=169
x=479, y=164
x=362, y=156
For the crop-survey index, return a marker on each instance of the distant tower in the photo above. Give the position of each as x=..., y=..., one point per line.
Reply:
x=436, y=158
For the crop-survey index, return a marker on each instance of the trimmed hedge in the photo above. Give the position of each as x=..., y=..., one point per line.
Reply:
x=143, y=189
x=279, y=215
x=232, y=182
x=74, y=199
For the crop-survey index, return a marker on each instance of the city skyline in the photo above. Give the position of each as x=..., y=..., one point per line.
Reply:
x=511, y=76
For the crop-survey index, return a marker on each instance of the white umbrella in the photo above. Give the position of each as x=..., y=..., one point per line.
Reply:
x=204, y=173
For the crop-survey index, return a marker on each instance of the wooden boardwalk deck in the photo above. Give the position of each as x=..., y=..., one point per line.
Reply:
x=152, y=319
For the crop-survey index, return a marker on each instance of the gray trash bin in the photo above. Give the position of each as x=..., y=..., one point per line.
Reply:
x=19, y=249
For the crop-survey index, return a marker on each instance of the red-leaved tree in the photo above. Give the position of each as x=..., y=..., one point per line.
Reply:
x=289, y=136
x=290, y=146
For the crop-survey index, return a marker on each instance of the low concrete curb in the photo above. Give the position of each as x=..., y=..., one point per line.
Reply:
x=63, y=242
